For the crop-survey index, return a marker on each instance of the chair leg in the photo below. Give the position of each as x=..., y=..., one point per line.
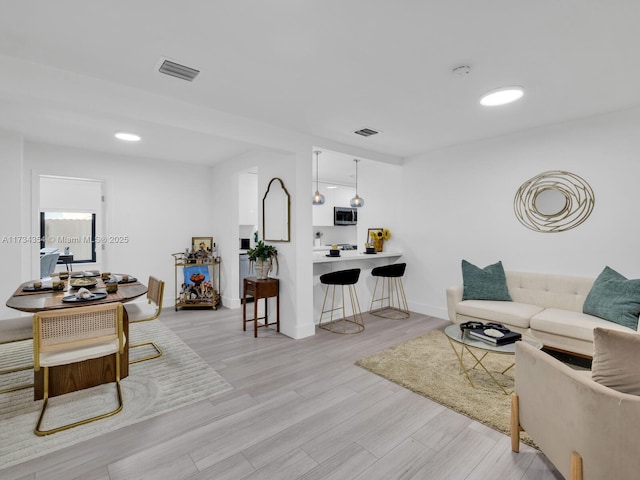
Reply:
x=42, y=433
x=392, y=300
x=576, y=466
x=515, y=423
x=339, y=325
x=148, y=357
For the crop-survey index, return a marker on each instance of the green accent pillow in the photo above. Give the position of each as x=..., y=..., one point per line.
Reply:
x=488, y=283
x=614, y=298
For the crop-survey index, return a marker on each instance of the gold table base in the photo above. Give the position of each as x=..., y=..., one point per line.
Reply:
x=478, y=361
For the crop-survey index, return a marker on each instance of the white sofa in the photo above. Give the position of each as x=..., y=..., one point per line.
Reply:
x=549, y=307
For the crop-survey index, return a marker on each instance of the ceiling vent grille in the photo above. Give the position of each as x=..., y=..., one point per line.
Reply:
x=366, y=132
x=179, y=71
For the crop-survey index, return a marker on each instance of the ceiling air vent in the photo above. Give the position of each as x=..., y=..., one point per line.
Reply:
x=366, y=132
x=179, y=71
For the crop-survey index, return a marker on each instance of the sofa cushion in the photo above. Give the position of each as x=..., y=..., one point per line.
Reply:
x=488, y=283
x=616, y=356
x=614, y=298
x=510, y=313
x=570, y=324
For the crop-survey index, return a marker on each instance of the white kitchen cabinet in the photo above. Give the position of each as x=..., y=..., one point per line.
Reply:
x=342, y=196
x=248, y=199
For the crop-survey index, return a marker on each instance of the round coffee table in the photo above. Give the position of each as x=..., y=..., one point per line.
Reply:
x=469, y=344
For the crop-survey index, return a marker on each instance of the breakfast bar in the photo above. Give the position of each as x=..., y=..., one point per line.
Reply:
x=349, y=259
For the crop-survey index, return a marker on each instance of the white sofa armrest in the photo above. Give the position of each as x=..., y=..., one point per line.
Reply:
x=454, y=295
x=564, y=411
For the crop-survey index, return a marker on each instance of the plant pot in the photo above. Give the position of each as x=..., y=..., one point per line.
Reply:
x=262, y=268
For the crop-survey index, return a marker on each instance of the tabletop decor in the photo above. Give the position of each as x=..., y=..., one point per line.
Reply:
x=376, y=238
x=261, y=257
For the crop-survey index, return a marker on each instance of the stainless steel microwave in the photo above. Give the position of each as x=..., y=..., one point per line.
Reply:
x=345, y=216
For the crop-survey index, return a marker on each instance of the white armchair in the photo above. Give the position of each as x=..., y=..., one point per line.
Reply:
x=587, y=430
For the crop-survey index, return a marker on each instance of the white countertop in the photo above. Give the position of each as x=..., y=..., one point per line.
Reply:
x=349, y=255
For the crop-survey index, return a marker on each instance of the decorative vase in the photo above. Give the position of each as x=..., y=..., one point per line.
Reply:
x=377, y=244
x=262, y=268
x=316, y=242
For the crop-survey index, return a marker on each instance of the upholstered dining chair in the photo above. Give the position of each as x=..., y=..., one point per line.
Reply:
x=144, y=312
x=71, y=335
x=12, y=330
x=48, y=264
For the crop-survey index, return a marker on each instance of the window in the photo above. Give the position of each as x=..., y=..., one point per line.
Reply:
x=76, y=230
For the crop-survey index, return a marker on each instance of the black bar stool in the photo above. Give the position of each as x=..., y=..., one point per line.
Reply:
x=392, y=302
x=343, y=324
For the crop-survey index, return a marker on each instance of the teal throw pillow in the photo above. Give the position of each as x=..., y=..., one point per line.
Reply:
x=614, y=298
x=488, y=283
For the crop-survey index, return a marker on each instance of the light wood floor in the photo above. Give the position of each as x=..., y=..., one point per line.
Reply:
x=300, y=409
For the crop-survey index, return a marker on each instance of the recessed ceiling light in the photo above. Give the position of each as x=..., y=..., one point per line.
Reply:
x=502, y=96
x=332, y=186
x=128, y=137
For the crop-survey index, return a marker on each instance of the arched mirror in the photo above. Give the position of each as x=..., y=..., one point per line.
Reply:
x=276, y=204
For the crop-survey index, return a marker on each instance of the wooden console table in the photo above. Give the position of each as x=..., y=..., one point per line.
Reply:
x=260, y=289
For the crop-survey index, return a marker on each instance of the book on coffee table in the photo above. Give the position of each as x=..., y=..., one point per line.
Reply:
x=508, y=337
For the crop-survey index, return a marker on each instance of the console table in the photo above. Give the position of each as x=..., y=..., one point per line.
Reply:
x=265, y=289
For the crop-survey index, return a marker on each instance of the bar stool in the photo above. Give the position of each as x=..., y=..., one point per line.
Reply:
x=392, y=302
x=344, y=324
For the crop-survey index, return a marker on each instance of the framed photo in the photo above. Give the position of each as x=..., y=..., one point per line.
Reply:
x=203, y=246
x=375, y=230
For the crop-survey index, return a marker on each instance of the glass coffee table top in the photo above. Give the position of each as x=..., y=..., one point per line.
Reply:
x=453, y=333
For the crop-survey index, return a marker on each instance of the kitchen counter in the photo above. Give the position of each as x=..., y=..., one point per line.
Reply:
x=351, y=255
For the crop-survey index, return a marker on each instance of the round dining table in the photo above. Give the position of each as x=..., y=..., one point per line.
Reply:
x=89, y=373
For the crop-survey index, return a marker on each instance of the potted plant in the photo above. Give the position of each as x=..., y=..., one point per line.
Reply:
x=263, y=256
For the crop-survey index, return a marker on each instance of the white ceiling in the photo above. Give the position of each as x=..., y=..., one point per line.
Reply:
x=73, y=71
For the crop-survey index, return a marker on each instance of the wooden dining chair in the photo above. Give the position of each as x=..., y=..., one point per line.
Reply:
x=16, y=330
x=144, y=312
x=71, y=335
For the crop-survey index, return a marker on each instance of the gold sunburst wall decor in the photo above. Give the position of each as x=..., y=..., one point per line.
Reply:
x=553, y=201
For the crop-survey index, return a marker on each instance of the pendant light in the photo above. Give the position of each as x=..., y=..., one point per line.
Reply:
x=318, y=198
x=357, y=201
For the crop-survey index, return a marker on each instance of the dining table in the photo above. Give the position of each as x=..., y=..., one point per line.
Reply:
x=89, y=373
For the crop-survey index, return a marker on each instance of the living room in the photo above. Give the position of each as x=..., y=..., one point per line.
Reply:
x=455, y=193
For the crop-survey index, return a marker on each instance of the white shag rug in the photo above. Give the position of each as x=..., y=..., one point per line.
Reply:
x=178, y=378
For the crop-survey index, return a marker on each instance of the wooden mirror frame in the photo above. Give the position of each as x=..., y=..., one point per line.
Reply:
x=265, y=237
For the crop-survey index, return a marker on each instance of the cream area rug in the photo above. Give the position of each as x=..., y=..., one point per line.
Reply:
x=427, y=365
x=178, y=378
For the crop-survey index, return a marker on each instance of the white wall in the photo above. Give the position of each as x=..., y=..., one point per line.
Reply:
x=461, y=206
x=11, y=222
x=295, y=277
x=158, y=205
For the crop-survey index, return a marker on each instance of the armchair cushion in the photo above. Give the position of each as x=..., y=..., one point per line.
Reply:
x=488, y=283
x=616, y=356
x=614, y=298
